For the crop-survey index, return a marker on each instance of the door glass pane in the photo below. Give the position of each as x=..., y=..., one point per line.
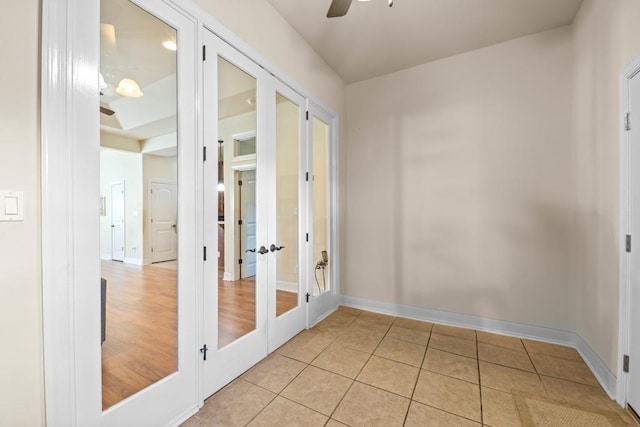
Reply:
x=237, y=224
x=321, y=254
x=138, y=193
x=287, y=183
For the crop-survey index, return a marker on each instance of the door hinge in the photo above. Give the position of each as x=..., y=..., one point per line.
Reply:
x=625, y=363
x=204, y=53
x=204, y=154
x=239, y=222
x=204, y=350
x=307, y=176
x=240, y=261
x=205, y=253
x=151, y=220
x=240, y=183
x=628, y=243
x=308, y=295
x=152, y=191
x=307, y=115
x=627, y=121
x=151, y=249
x=307, y=237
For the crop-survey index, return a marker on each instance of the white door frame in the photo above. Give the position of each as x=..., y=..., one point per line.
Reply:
x=70, y=217
x=624, y=275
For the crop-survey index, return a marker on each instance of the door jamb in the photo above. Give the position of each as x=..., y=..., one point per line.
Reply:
x=624, y=261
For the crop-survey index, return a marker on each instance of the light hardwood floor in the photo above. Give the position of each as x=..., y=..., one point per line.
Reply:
x=140, y=346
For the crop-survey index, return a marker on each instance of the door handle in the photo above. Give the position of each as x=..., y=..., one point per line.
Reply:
x=261, y=251
x=274, y=248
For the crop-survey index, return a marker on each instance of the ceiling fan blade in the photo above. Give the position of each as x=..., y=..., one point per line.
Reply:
x=107, y=111
x=338, y=8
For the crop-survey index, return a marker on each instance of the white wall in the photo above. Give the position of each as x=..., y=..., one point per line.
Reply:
x=459, y=184
x=21, y=372
x=606, y=38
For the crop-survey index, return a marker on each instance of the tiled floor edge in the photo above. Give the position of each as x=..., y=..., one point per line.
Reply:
x=519, y=330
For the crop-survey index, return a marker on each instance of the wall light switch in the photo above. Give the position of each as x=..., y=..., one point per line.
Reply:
x=11, y=206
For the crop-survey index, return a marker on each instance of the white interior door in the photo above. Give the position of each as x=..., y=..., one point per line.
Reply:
x=633, y=381
x=247, y=223
x=163, y=208
x=118, y=222
x=322, y=250
x=288, y=190
x=234, y=312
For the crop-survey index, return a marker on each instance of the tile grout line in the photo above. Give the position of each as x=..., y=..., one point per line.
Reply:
x=355, y=379
x=413, y=392
x=479, y=379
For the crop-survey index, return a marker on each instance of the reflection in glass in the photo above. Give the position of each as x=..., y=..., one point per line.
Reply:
x=287, y=181
x=138, y=184
x=237, y=224
x=321, y=254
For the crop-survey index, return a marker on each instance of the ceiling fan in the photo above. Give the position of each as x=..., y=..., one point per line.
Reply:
x=340, y=7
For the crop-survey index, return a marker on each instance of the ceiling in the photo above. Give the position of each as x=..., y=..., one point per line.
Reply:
x=373, y=39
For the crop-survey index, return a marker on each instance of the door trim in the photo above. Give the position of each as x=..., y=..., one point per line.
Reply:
x=624, y=261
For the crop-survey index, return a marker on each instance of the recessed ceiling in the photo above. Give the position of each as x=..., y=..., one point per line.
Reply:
x=374, y=39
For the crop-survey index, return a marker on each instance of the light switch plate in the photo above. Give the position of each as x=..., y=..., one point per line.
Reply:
x=11, y=206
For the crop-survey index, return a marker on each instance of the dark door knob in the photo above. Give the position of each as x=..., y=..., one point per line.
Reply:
x=274, y=248
x=263, y=250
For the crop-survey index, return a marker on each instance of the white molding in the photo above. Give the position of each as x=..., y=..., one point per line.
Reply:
x=134, y=261
x=625, y=220
x=519, y=330
x=106, y=257
x=226, y=276
x=287, y=286
x=68, y=88
x=603, y=374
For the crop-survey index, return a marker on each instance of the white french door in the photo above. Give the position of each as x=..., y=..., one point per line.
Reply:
x=234, y=312
x=322, y=250
x=287, y=221
x=249, y=317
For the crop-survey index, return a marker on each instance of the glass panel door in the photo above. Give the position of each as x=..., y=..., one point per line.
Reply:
x=235, y=303
x=322, y=265
x=287, y=311
x=138, y=225
x=147, y=248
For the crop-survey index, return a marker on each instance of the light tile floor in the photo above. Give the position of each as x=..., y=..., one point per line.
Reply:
x=358, y=368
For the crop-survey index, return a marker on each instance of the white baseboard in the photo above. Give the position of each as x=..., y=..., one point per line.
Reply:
x=603, y=374
x=134, y=261
x=287, y=286
x=519, y=330
x=227, y=276
x=106, y=257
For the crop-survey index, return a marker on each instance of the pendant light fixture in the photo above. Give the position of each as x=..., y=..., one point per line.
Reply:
x=129, y=88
